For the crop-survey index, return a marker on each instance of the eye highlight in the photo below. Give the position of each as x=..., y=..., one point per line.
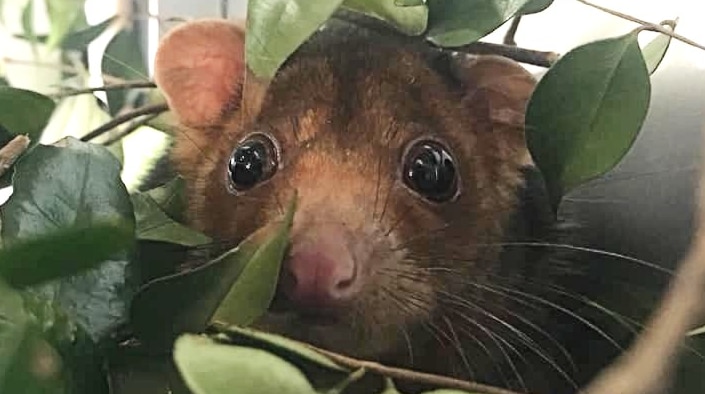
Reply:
x=429, y=169
x=252, y=162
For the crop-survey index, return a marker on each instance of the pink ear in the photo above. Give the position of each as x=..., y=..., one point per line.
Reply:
x=200, y=67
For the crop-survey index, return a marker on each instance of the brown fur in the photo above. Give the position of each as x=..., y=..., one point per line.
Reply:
x=343, y=120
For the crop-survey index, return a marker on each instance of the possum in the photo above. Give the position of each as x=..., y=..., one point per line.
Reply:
x=423, y=230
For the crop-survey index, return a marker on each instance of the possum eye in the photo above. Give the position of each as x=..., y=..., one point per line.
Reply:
x=252, y=162
x=429, y=169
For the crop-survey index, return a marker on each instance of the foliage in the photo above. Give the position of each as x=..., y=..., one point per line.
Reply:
x=69, y=274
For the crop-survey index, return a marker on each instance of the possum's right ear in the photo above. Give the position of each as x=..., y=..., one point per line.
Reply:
x=200, y=67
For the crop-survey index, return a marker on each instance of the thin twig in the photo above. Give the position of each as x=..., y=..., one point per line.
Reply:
x=113, y=86
x=647, y=25
x=412, y=376
x=131, y=129
x=12, y=151
x=117, y=121
x=521, y=55
x=509, y=37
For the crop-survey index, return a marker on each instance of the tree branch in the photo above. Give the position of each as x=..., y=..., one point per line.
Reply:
x=410, y=375
x=521, y=55
x=117, y=121
x=113, y=86
x=645, y=24
x=131, y=129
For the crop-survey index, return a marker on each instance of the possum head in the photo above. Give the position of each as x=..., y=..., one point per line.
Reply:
x=406, y=163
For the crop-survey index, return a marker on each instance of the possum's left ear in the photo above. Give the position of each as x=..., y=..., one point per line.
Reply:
x=498, y=85
x=497, y=92
x=200, y=67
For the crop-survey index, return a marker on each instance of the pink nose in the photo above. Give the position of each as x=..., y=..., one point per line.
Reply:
x=320, y=272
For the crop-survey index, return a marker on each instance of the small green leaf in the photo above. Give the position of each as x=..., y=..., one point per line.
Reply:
x=279, y=345
x=535, y=6
x=276, y=28
x=61, y=254
x=212, y=368
x=73, y=184
x=153, y=224
x=123, y=58
x=24, y=112
x=656, y=50
x=586, y=112
x=28, y=25
x=408, y=19
x=63, y=14
x=251, y=294
x=171, y=198
x=455, y=23
x=186, y=302
x=79, y=40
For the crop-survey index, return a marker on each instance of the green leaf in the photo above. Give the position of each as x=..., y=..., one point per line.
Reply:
x=63, y=15
x=124, y=59
x=586, y=112
x=62, y=186
x=534, y=6
x=63, y=253
x=212, y=368
x=28, y=364
x=251, y=294
x=171, y=198
x=153, y=224
x=186, y=302
x=656, y=50
x=283, y=347
x=24, y=112
x=79, y=40
x=276, y=28
x=454, y=23
x=408, y=19
x=28, y=25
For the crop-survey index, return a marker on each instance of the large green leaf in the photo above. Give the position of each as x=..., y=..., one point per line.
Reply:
x=276, y=28
x=411, y=20
x=77, y=40
x=62, y=186
x=249, y=297
x=460, y=22
x=286, y=348
x=212, y=368
x=586, y=112
x=62, y=253
x=187, y=301
x=24, y=112
x=63, y=15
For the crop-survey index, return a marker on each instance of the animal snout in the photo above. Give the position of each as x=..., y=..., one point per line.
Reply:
x=320, y=273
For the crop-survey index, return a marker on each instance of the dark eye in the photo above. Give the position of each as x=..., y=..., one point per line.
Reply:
x=252, y=162
x=429, y=169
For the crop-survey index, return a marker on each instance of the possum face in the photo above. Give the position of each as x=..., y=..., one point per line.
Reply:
x=404, y=171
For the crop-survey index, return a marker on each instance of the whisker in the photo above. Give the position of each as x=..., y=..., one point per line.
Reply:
x=584, y=249
x=523, y=338
x=459, y=347
x=495, y=338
